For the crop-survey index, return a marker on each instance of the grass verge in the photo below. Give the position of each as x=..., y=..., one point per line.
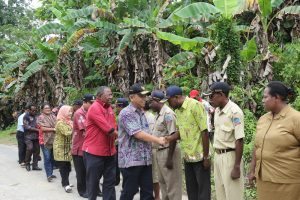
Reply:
x=8, y=136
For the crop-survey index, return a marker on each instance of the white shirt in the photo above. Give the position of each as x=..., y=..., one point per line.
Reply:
x=20, y=126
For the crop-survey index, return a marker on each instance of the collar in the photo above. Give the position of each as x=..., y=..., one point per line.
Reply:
x=135, y=109
x=82, y=109
x=185, y=103
x=282, y=113
x=162, y=110
x=102, y=103
x=226, y=107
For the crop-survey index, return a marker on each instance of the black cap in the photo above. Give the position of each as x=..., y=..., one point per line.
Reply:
x=138, y=89
x=122, y=102
x=218, y=87
x=77, y=103
x=172, y=91
x=158, y=95
x=89, y=97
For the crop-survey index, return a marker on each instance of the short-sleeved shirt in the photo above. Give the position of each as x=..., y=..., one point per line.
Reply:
x=132, y=151
x=229, y=126
x=277, y=145
x=165, y=124
x=78, y=131
x=20, y=126
x=150, y=119
x=191, y=122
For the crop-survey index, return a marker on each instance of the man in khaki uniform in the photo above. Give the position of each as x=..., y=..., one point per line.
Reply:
x=228, y=144
x=167, y=158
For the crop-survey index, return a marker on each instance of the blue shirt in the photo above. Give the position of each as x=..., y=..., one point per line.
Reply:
x=132, y=151
x=20, y=126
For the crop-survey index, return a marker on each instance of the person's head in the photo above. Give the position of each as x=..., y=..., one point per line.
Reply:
x=175, y=96
x=275, y=95
x=138, y=95
x=105, y=95
x=218, y=94
x=120, y=104
x=32, y=109
x=157, y=100
x=194, y=94
x=88, y=100
x=65, y=113
x=77, y=104
x=46, y=109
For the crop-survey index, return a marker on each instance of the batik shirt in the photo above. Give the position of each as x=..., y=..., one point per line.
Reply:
x=132, y=151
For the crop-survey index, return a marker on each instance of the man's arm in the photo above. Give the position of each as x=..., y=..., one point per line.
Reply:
x=27, y=126
x=141, y=135
x=205, y=145
x=101, y=121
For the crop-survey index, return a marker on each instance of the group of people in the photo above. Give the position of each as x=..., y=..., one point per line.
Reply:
x=147, y=138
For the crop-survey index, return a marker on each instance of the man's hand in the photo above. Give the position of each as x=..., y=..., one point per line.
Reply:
x=169, y=163
x=162, y=141
x=236, y=172
x=206, y=163
x=252, y=179
x=114, y=134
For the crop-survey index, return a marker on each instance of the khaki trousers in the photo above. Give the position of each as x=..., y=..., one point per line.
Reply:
x=170, y=181
x=226, y=188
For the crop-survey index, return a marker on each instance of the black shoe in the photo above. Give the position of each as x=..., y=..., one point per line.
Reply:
x=100, y=194
x=36, y=168
x=39, y=158
x=49, y=178
x=84, y=195
x=53, y=176
x=27, y=167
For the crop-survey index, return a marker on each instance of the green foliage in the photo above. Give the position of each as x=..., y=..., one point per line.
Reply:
x=229, y=41
x=294, y=10
x=249, y=50
x=265, y=7
x=250, y=129
x=227, y=7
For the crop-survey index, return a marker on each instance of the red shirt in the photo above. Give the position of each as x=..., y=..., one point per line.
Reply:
x=78, y=131
x=100, y=123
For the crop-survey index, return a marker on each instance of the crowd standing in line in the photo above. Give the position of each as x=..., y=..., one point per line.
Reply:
x=148, y=148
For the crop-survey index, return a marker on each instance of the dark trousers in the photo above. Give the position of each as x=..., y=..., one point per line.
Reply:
x=21, y=146
x=118, y=173
x=48, y=160
x=197, y=181
x=32, y=149
x=64, y=170
x=96, y=167
x=135, y=178
x=80, y=174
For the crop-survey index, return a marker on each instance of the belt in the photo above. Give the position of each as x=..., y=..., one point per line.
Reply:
x=162, y=148
x=220, y=151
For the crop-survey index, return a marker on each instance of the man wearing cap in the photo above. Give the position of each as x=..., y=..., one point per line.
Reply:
x=99, y=146
x=228, y=144
x=166, y=158
x=76, y=105
x=191, y=121
x=79, y=130
x=135, y=147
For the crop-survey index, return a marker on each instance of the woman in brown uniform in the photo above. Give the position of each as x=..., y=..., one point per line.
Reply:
x=276, y=158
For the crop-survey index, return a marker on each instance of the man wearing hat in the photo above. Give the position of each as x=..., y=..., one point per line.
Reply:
x=76, y=105
x=135, y=146
x=191, y=121
x=166, y=158
x=228, y=144
x=79, y=130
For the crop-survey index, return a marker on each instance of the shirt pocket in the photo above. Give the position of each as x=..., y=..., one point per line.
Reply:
x=227, y=133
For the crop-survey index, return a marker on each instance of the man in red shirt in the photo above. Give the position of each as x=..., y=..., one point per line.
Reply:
x=79, y=131
x=99, y=146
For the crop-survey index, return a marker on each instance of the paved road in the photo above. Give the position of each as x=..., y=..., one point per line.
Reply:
x=18, y=184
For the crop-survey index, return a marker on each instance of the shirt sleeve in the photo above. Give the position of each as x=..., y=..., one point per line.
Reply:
x=130, y=123
x=79, y=121
x=101, y=121
x=26, y=123
x=238, y=124
x=297, y=127
x=200, y=116
x=170, y=121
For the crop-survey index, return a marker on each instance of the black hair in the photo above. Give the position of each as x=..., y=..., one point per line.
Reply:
x=45, y=104
x=277, y=88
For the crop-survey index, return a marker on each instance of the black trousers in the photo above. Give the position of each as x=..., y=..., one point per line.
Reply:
x=64, y=170
x=32, y=149
x=21, y=146
x=80, y=174
x=197, y=181
x=135, y=178
x=96, y=167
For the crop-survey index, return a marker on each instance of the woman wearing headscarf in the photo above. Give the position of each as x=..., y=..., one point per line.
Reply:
x=62, y=144
x=46, y=122
x=276, y=157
